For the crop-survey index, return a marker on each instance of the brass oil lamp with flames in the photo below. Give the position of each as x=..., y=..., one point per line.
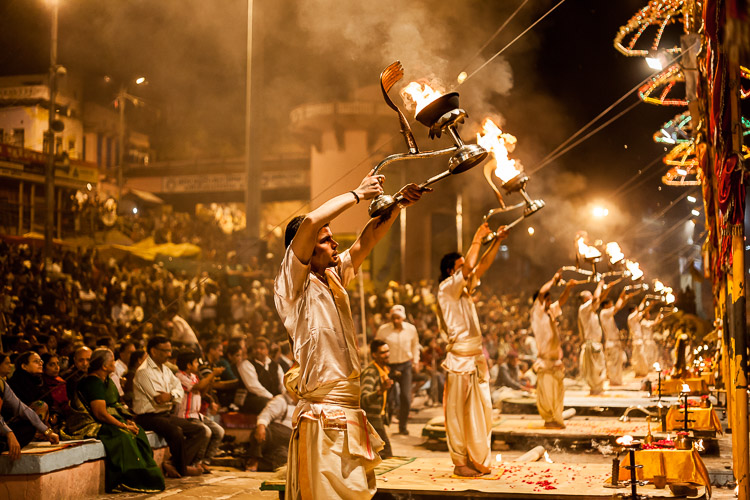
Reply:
x=441, y=113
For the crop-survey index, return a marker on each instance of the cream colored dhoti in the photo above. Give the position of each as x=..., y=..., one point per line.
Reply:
x=639, y=360
x=613, y=354
x=468, y=413
x=333, y=451
x=592, y=366
x=550, y=393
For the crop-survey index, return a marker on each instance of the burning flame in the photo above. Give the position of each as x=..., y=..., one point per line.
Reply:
x=685, y=388
x=500, y=145
x=625, y=440
x=614, y=252
x=419, y=93
x=669, y=298
x=586, y=251
x=498, y=458
x=657, y=366
x=658, y=286
x=547, y=458
x=635, y=270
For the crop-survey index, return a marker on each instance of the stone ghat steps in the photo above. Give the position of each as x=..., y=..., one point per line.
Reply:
x=73, y=472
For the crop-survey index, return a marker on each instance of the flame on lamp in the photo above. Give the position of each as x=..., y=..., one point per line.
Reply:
x=500, y=145
x=614, y=252
x=657, y=366
x=625, y=440
x=586, y=251
x=547, y=458
x=669, y=298
x=498, y=458
x=658, y=286
x=685, y=388
x=419, y=93
x=635, y=270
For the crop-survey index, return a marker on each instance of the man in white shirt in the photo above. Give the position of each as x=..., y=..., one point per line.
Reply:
x=613, y=352
x=403, y=341
x=545, y=316
x=314, y=307
x=269, y=443
x=262, y=377
x=182, y=332
x=467, y=403
x=156, y=390
x=123, y=353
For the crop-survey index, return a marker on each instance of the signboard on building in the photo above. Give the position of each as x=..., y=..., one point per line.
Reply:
x=26, y=164
x=212, y=183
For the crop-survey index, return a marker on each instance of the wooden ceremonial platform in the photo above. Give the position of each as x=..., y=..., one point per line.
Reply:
x=612, y=404
x=527, y=430
x=428, y=478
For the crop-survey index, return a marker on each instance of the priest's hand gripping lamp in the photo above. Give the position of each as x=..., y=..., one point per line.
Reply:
x=511, y=174
x=439, y=112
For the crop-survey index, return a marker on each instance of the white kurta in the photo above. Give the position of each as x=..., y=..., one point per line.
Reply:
x=550, y=392
x=467, y=404
x=334, y=450
x=591, y=363
x=612, y=347
x=638, y=357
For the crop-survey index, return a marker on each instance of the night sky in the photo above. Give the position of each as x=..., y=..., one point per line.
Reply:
x=548, y=84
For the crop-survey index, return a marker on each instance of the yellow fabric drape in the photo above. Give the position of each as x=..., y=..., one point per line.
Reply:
x=679, y=466
x=704, y=419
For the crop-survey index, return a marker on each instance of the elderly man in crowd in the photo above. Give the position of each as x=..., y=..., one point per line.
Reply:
x=78, y=371
x=156, y=391
x=263, y=378
x=375, y=384
x=403, y=341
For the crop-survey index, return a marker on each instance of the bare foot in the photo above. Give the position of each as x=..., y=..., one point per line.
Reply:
x=170, y=470
x=553, y=425
x=193, y=471
x=465, y=471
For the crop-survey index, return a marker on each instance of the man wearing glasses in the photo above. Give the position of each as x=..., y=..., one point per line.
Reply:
x=155, y=391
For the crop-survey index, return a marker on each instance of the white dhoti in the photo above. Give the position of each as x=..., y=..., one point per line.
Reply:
x=638, y=359
x=613, y=354
x=333, y=450
x=592, y=366
x=550, y=394
x=468, y=414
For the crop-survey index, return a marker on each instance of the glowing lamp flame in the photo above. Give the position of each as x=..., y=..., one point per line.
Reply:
x=419, y=93
x=498, y=458
x=500, y=145
x=669, y=298
x=685, y=388
x=547, y=458
x=658, y=286
x=614, y=252
x=657, y=366
x=635, y=270
x=699, y=446
x=625, y=440
x=586, y=251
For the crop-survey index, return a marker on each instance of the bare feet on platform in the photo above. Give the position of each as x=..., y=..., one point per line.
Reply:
x=553, y=425
x=251, y=465
x=465, y=471
x=170, y=470
x=193, y=471
x=204, y=467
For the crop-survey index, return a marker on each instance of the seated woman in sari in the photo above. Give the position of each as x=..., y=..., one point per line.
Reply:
x=130, y=464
